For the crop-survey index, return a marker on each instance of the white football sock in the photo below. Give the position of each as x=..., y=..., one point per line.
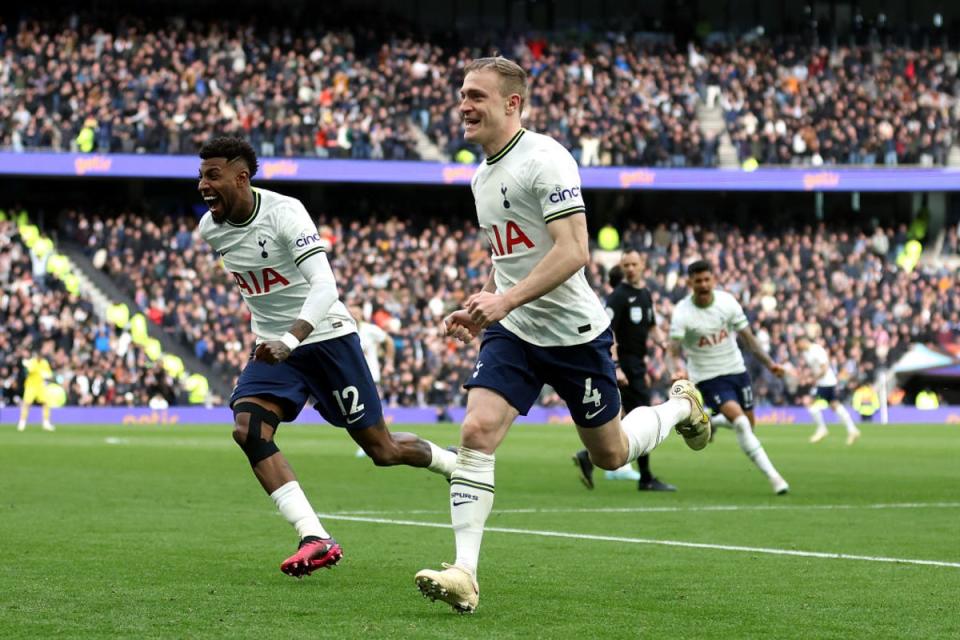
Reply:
x=846, y=419
x=442, y=461
x=751, y=446
x=673, y=412
x=817, y=414
x=646, y=427
x=295, y=507
x=720, y=420
x=471, y=500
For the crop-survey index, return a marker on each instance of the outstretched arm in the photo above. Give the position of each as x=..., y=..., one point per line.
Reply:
x=389, y=355
x=675, y=364
x=750, y=342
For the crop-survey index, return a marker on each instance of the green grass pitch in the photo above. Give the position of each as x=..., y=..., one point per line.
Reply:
x=162, y=532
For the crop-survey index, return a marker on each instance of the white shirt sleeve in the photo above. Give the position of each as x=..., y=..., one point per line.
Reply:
x=818, y=356
x=677, y=327
x=300, y=234
x=556, y=184
x=736, y=318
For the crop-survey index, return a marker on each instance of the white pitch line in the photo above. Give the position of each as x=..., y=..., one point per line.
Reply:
x=664, y=543
x=693, y=509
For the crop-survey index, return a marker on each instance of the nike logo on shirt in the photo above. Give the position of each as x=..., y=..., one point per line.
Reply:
x=351, y=421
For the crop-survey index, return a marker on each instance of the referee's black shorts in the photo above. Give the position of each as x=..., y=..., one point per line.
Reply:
x=636, y=393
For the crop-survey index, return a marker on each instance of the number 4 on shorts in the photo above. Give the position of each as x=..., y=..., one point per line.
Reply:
x=590, y=394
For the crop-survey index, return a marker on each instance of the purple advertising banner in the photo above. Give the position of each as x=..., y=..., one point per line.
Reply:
x=398, y=172
x=411, y=415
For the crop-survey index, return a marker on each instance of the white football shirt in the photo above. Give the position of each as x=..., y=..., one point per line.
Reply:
x=263, y=255
x=816, y=357
x=519, y=190
x=709, y=335
x=371, y=337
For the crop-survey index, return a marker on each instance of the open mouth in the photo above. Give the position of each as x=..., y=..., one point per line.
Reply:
x=214, y=204
x=471, y=124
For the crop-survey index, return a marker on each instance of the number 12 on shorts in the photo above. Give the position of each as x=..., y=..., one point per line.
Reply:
x=348, y=394
x=590, y=394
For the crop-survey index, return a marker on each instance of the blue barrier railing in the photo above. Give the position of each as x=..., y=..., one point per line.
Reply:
x=400, y=172
x=418, y=415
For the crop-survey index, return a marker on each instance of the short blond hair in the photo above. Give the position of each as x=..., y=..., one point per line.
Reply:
x=513, y=79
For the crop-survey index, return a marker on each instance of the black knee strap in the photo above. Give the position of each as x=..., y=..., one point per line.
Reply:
x=255, y=446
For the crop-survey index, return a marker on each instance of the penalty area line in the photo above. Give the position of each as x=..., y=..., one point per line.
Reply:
x=663, y=543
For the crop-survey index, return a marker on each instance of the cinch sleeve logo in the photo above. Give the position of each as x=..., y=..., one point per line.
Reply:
x=562, y=194
x=305, y=241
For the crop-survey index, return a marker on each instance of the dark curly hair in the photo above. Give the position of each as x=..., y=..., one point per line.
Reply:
x=231, y=148
x=615, y=276
x=699, y=267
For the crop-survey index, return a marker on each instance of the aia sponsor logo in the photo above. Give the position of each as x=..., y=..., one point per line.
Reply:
x=714, y=339
x=253, y=284
x=504, y=243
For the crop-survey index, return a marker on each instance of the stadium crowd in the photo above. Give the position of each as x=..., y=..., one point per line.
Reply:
x=842, y=285
x=95, y=366
x=849, y=105
x=616, y=101
x=70, y=85
x=622, y=99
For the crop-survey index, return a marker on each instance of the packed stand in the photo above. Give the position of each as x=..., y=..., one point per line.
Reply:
x=630, y=100
x=141, y=88
x=846, y=106
x=148, y=88
x=96, y=366
x=618, y=100
x=611, y=98
x=843, y=286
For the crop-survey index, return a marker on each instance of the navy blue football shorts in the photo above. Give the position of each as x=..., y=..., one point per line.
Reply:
x=736, y=387
x=333, y=373
x=827, y=394
x=583, y=375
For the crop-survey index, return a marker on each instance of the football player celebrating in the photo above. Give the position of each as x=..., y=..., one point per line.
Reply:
x=307, y=343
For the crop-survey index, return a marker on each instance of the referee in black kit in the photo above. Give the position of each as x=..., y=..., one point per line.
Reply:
x=631, y=318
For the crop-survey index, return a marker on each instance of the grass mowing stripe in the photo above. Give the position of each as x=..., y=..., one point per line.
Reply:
x=665, y=543
x=708, y=508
